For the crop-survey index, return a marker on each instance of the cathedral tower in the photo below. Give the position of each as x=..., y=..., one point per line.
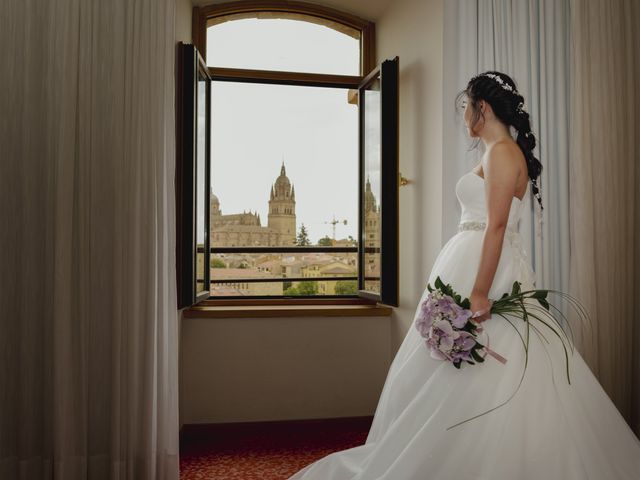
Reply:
x=282, y=208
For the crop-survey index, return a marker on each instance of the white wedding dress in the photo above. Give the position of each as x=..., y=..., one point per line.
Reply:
x=549, y=430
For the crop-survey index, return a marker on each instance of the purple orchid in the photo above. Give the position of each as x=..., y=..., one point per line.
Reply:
x=443, y=324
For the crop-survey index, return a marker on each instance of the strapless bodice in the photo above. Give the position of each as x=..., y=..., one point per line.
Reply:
x=470, y=190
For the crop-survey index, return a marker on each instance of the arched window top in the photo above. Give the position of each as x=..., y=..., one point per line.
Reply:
x=283, y=36
x=284, y=15
x=284, y=44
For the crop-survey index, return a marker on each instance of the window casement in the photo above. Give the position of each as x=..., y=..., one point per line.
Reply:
x=193, y=93
x=361, y=272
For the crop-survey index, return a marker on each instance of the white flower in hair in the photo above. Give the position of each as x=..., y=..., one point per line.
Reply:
x=502, y=83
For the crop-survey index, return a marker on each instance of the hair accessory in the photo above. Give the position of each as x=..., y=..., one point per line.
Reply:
x=534, y=181
x=519, y=107
x=502, y=83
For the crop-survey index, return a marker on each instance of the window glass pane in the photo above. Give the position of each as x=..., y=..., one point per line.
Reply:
x=200, y=185
x=284, y=164
x=283, y=44
x=372, y=193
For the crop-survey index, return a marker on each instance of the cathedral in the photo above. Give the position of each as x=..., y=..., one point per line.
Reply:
x=245, y=229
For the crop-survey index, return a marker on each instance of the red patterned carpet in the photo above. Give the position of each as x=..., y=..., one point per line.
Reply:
x=264, y=450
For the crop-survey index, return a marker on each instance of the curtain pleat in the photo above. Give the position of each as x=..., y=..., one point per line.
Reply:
x=88, y=323
x=529, y=41
x=576, y=63
x=605, y=191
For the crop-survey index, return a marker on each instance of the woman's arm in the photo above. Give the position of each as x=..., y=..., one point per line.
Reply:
x=500, y=176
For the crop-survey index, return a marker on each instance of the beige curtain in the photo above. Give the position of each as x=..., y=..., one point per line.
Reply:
x=605, y=192
x=88, y=316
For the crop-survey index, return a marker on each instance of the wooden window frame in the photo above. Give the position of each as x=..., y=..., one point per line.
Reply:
x=191, y=69
x=387, y=74
x=202, y=15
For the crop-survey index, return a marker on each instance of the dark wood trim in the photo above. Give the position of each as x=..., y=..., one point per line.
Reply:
x=201, y=15
x=284, y=249
x=179, y=180
x=360, y=236
x=190, y=68
x=368, y=48
x=185, y=194
x=366, y=81
x=199, y=31
x=282, y=279
x=303, y=8
x=389, y=273
x=290, y=310
x=387, y=71
x=203, y=74
x=191, y=431
x=285, y=301
x=284, y=78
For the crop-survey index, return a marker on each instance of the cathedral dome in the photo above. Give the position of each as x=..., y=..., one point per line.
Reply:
x=282, y=188
x=283, y=180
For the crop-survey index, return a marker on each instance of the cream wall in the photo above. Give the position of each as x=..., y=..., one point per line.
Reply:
x=183, y=21
x=252, y=369
x=412, y=29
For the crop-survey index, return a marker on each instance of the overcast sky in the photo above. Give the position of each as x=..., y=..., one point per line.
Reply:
x=314, y=130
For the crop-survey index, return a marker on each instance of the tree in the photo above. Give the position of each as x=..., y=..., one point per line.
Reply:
x=325, y=241
x=217, y=263
x=346, y=287
x=290, y=290
x=303, y=288
x=303, y=237
x=307, y=288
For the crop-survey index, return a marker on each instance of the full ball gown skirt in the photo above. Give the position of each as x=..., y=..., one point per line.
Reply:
x=549, y=430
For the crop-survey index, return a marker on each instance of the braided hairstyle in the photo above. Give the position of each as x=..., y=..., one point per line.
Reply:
x=499, y=90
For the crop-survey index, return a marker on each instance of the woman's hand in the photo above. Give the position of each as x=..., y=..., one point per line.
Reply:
x=480, y=303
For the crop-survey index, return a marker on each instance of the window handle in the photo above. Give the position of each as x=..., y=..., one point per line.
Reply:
x=401, y=180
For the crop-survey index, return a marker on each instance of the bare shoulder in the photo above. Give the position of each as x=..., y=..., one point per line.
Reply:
x=504, y=160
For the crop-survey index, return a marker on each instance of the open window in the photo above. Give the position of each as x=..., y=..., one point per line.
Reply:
x=378, y=184
x=193, y=173
x=328, y=231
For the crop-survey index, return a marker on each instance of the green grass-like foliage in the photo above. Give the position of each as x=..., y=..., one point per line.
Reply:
x=513, y=304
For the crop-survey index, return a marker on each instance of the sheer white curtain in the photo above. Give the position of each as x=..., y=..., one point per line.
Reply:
x=576, y=63
x=605, y=191
x=529, y=41
x=88, y=327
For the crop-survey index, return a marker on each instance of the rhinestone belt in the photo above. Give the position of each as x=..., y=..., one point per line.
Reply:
x=511, y=233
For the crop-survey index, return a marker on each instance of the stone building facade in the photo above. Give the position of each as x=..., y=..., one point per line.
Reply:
x=245, y=229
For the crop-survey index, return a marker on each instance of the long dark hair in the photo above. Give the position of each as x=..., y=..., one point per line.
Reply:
x=504, y=103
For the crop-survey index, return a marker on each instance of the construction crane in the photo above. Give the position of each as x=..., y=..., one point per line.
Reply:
x=333, y=223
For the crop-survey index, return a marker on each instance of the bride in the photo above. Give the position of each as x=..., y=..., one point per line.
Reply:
x=549, y=429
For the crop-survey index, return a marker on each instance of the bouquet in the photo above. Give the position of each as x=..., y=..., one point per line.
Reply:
x=447, y=324
x=448, y=327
